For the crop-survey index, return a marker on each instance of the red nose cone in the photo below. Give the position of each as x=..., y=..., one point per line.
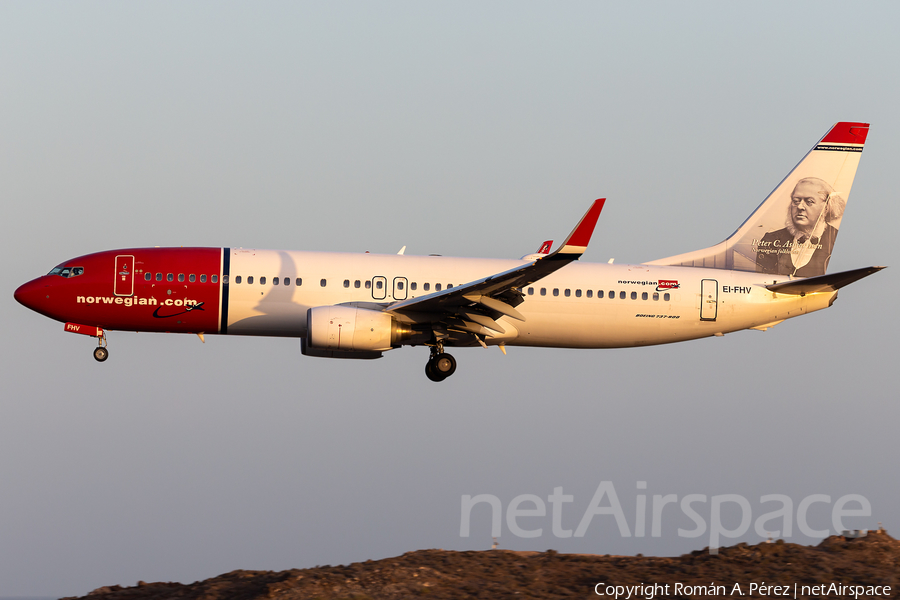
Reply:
x=33, y=294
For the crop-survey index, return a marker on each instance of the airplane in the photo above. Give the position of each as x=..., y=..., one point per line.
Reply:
x=358, y=306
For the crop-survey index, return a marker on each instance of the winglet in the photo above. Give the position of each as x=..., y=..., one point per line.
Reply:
x=543, y=251
x=578, y=240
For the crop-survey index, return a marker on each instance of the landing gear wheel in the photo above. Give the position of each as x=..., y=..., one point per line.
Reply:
x=444, y=365
x=101, y=354
x=430, y=372
x=440, y=365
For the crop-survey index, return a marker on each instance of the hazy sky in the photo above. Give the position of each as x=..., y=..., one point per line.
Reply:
x=472, y=129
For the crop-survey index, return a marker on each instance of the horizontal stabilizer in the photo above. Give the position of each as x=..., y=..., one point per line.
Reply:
x=822, y=283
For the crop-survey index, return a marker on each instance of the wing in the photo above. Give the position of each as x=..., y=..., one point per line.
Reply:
x=473, y=308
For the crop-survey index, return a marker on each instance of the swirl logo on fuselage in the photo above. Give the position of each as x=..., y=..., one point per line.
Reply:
x=187, y=309
x=667, y=284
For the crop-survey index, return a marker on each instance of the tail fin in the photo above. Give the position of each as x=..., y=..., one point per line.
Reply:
x=793, y=231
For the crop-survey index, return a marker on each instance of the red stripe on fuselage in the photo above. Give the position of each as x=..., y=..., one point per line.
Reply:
x=155, y=304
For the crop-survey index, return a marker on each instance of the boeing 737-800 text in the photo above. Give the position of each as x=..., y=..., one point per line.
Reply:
x=361, y=305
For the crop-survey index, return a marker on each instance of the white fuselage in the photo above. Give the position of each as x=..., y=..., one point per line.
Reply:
x=583, y=305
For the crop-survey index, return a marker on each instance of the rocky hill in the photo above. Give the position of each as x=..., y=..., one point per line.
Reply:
x=869, y=561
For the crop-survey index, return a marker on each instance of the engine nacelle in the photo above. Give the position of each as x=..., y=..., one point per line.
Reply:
x=353, y=328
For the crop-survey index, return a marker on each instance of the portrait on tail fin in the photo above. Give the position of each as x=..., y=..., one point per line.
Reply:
x=793, y=231
x=802, y=248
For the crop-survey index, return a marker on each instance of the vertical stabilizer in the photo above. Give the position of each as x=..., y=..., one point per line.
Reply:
x=793, y=231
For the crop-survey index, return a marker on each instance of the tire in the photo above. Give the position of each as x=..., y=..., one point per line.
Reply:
x=444, y=364
x=101, y=354
x=431, y=373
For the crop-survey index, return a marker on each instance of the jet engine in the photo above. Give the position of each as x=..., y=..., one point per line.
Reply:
x=353, y=328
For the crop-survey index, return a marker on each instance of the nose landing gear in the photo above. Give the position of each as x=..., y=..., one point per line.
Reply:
x=100, y=352
x=440, y=365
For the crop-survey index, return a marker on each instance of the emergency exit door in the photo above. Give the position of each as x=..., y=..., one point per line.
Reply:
x=124, y=285
x=709, y=299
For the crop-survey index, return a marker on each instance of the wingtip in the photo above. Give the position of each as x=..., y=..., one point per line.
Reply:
x=578, y=240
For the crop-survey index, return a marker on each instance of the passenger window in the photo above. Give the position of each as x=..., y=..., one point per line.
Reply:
x=262, y=281
x=449, y=285
x=181, y=277
x=666, y=297
x=237, y=279
x=299, y=281
x=250, y=280
x=203, y=279
x=356, y=284
x=147, y=276
x=568, y=293
x=368, y=284
x=170, y=277
x=531, y=291
x=599, y=293
x=578, y=293
x=437, y=287
x=656, y=296
x=634, y=295
x=621, y=295
x=215, y=279
x=379, y=284
x=413, y=286
x=192, y=278
x=590, y=293
x=399, y=285
x=323, y=282
x=287, y=281
x=612, y=294
x=543, y=291
x=274, y=281
x=644, y=296
x=556, y=291
x=159, y=276
x=346, y=283
x=426, y=286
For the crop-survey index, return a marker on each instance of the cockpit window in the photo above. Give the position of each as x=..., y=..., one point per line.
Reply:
x=67, y=271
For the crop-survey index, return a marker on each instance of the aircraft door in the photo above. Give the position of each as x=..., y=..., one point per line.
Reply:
x=379, y=287
x=124, y=277
x=400, y=288
x=709, y=299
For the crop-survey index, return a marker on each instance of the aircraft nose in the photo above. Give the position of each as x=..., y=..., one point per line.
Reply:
x=30, y=294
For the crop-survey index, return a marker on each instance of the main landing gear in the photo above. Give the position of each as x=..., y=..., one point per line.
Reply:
x=440, y=365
